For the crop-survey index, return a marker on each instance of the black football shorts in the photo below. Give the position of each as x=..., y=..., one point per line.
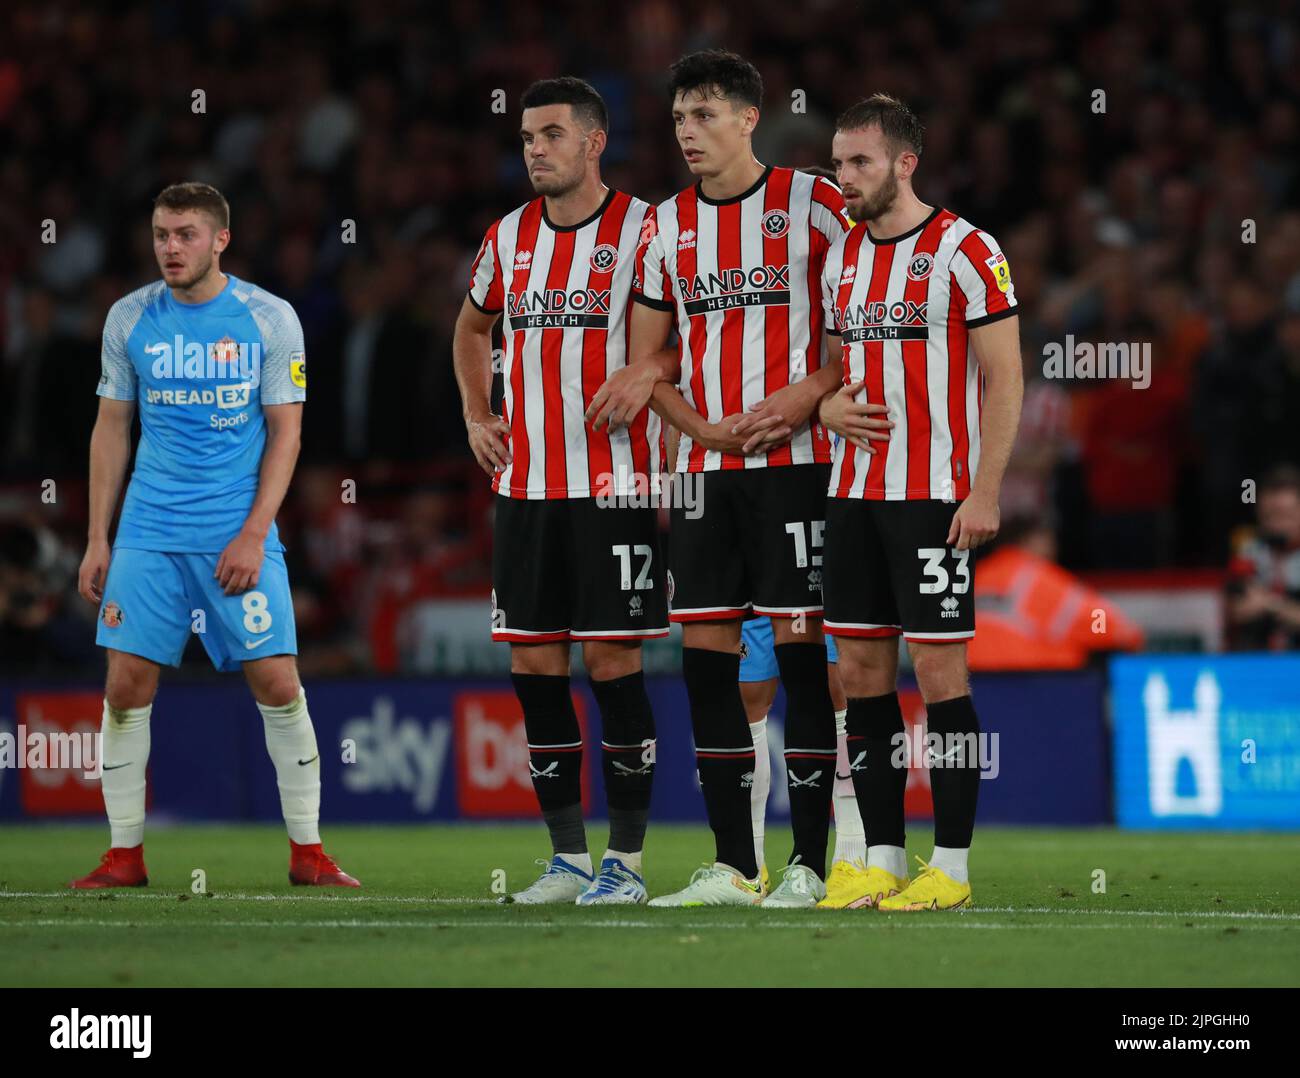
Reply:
x=752, y=542
x=889, y=570
x=571, y=569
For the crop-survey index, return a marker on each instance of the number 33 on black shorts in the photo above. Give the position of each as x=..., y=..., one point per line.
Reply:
x=888, y=570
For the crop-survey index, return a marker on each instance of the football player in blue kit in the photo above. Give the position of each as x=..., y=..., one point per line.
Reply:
x=217, y=368
x=758, y=682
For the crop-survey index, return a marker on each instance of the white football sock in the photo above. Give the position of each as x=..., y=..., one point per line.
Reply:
x=892, y=859
x=850, y=837
x=124, y=755
x=632, y=860
x=952, y=861
x=762, y=785
x=291, y=741
x=577, y=860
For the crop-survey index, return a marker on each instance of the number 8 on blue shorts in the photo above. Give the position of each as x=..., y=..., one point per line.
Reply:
x=154, y=601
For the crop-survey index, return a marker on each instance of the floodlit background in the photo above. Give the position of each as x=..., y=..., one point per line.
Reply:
x=1165, y=211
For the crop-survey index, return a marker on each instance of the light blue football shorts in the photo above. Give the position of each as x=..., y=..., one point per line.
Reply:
x=153, y=601
x=757, y=651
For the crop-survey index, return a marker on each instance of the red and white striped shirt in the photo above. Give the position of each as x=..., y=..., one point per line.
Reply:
x=903, y=309
x=564, y=292
x=743, y=275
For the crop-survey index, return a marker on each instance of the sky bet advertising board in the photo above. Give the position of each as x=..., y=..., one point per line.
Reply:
x=429, y=749
x=1207, y=741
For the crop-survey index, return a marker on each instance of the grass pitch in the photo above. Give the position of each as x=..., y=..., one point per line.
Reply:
x=1195, y=910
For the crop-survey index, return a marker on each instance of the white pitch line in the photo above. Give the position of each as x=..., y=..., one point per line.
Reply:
x=116, y=893
x=124, y=893
x=872, y=924
x=1238, y=914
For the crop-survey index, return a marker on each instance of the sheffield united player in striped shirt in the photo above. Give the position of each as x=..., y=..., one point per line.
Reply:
x=571, y=559
x=920, y=306
x=735, y=263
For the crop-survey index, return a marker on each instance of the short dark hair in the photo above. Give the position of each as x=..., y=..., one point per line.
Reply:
x=588, y=106
x=896, y=121
x=720, y=71
x=195, y=196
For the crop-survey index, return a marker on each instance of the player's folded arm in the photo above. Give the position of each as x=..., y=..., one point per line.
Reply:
x=671, y=406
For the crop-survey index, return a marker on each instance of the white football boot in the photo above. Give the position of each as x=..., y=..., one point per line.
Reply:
x=615, y=885
x=560, y=883
x=799, y=889
x=714, y=885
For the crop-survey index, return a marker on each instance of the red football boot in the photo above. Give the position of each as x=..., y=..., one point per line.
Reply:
x=310, y=866
x=122, y=866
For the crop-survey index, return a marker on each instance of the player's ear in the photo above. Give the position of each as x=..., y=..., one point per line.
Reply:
x=596, y=142
x=749, y=119
x=223, y=240
x=905, y=164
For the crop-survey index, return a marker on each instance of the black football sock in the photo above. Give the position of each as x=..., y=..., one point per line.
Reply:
x=554, y=756
x=627, y=757
x=809, y=750
x=878, y=764
x=724, y=752
x=955, y=777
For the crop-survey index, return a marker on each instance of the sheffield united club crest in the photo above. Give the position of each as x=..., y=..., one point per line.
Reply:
x=919, y=268
x=776, y=223
x=604, y=258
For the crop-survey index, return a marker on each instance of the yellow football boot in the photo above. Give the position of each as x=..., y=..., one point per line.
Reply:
x=933, y=889
x=764, y=879
x=842, y=885
x=852, y=887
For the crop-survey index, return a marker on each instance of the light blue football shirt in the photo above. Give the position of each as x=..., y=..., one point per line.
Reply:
x=200, y=374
